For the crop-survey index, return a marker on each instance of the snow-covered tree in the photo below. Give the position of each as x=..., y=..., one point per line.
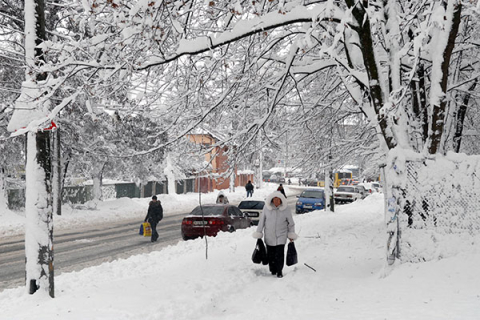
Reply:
x=29, y=117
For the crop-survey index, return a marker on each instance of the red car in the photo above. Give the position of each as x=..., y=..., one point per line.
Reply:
x=210, y=219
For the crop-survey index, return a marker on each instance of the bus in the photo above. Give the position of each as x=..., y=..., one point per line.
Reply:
x=338, y=175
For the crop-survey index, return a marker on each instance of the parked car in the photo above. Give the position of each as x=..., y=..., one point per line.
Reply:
x=377, y=186
x=362, y=191
x=371, y=187
x=252, y=209
x=213, y=218
x=309, y=200
x=345, y=194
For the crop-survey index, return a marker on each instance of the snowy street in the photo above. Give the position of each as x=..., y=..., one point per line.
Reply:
x=94, y=243
x=81, y=247
x=345, y=248
x=76, y=249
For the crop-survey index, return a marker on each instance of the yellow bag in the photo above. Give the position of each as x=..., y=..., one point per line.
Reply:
x=147, y=229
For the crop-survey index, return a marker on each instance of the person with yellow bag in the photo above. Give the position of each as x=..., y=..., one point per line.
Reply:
x=154, y=216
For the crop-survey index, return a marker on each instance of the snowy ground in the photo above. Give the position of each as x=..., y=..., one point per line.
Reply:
x=345, y=248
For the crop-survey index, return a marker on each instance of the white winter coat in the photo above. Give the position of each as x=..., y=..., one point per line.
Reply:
x=276, y=223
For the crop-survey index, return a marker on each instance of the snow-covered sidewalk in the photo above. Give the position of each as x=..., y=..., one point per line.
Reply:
x=350, y=282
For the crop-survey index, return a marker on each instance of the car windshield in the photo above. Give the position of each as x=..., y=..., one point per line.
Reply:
x=208, y=211
x=251, y=205
x=345, y=189
x=312, y=194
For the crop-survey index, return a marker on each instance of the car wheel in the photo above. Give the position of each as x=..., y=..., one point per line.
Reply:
x=184, y=237
x=231, y=228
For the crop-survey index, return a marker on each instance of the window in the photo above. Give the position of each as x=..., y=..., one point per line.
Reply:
x=234, y=211
x=257, y=205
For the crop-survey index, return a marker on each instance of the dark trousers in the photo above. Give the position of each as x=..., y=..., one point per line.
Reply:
x=249, y=193
x=276, y=258
x=153, y=224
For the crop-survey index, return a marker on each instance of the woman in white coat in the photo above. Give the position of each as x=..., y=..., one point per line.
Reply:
x=275, y=226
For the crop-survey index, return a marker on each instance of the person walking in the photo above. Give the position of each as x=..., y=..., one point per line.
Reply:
x=221, y=198
x=280, y=188
x=249, y=188
x=276, y=225
x=154, y=215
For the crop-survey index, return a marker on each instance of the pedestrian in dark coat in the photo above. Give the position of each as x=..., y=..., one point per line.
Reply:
x=249, y=188
x=275, y=226
x=280, y=188
x=154, y=215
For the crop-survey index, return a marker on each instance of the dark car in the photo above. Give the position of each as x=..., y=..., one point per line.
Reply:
x=309, y=200
x=252, y=209
x=211, y=219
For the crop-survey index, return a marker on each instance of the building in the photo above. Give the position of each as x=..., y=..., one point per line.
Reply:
x=216, y=178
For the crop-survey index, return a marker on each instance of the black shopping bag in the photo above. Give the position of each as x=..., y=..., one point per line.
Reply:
x=292, y=257
x=260, y=253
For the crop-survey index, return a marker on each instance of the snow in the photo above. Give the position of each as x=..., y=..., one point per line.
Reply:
x=346, y=249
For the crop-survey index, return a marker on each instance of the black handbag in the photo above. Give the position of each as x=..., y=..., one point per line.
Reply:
x=292, y=257
x=260, y=253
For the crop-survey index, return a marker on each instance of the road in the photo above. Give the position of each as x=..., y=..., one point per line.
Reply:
x=76, y=249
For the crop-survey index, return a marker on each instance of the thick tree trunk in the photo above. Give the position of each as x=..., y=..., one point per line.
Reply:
x=438, y=114
x=38, y=205
x=366, y=45
x=38, y=211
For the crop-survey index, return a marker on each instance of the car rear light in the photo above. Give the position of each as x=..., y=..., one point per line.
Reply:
x=349, y=195
x=187, y=222
x=216, y=222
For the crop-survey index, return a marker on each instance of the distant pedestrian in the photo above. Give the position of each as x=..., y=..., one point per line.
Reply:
x=280, y=188
x=154, y=216
x=275, y=226
x=249, y=188
x=221, y=198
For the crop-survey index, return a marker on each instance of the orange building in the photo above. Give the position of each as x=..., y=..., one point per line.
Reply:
x=217, y=157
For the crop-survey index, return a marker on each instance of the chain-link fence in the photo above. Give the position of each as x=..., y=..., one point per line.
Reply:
x=438, y=208
x=435, y=198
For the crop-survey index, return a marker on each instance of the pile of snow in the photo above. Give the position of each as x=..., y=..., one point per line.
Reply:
x=341, y=274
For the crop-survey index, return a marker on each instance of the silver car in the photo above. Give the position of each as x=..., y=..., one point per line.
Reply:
x=252, y=209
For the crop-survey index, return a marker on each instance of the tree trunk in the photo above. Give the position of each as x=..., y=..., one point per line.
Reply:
x=97, y=183
x=38, y=211
x=419, y=103
x=57, y=174
x=438, y=114
x=38, y=204
x=3, y=192
x=462, y=111
x=366, y=45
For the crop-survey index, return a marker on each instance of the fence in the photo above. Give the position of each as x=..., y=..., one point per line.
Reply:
x=437, y=207
x=82, y=194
